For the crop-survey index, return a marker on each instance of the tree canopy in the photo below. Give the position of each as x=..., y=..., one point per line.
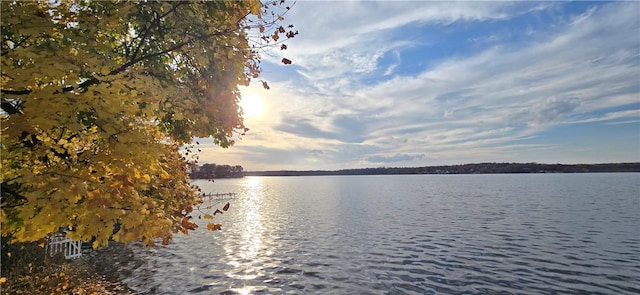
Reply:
x=99, y=96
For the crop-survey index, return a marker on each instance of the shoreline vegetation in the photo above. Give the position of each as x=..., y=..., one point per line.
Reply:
x=213, y=171
x=477, y=168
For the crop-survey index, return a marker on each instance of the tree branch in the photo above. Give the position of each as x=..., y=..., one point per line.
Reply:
x=7, y=190
x=145, y=34
x=16, y=92
x=173, y=8
x=16, y=45
x=154, y=23
x=122, y=68
x=70, y=176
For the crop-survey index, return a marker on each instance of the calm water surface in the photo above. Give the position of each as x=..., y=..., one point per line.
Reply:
x=419, y=234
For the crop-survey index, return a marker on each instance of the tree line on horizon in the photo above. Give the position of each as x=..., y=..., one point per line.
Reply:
x=212, y=171
x=476, y=168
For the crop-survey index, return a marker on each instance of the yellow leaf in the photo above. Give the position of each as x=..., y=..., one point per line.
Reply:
x=105, y=70
x=255, y=7
x=208, y=216
x=164, y=175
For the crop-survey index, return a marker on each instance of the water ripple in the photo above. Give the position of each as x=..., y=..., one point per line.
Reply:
x=489, y=234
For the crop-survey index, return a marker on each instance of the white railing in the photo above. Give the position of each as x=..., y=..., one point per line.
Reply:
x=59, y=243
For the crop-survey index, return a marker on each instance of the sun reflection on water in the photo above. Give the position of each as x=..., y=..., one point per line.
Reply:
x=246, y=253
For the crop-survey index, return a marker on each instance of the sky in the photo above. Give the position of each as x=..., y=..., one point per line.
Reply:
x=422, y=83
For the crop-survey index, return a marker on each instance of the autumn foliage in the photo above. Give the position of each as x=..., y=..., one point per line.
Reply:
x=99, y=96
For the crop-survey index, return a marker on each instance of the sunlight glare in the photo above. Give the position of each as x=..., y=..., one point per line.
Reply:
x=251, y=246
x=252, y=105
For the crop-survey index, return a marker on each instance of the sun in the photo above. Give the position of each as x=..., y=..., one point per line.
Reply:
x=252, y=105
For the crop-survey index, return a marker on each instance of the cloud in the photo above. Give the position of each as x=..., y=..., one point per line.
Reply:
x=548, y=80
x=546, y=112
x=343, y=128
x=372, y=89
x=634, y=115
x=393, y=66
x=394, y=158
x=303, y=127
x=340, y=43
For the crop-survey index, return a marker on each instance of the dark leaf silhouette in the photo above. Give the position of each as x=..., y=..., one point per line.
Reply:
x=291, y=34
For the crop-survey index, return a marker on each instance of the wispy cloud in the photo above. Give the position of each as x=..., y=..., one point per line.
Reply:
x=417, y=83
x=394, y=158
x=394, y=65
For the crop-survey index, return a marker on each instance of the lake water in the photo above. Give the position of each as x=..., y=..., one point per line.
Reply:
x=413, y=234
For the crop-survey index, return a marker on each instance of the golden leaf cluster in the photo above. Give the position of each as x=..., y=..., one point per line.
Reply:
x=97, y=99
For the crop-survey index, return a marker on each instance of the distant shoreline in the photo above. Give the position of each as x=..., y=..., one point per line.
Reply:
x=479, y=168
